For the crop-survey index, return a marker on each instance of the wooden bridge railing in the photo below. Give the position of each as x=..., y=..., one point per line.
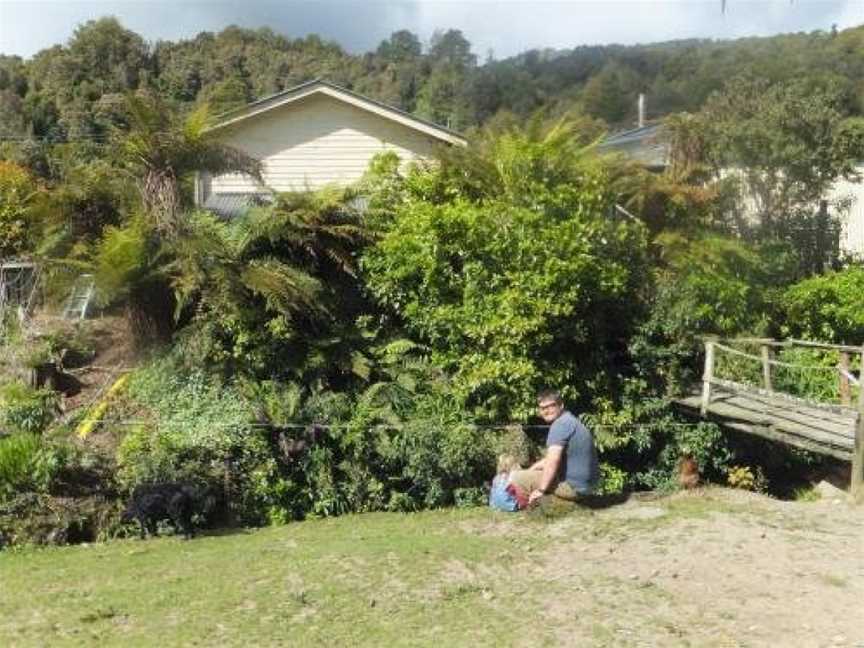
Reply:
x=767, y=346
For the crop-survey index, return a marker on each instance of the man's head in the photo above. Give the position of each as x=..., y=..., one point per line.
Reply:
x=549, y=404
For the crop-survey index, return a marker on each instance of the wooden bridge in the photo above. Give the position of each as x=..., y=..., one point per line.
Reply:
x=833, y=429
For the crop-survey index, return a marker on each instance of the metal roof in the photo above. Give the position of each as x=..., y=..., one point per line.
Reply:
x=645, y=145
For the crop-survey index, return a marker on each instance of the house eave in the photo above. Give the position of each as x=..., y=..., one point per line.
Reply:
x=319, y=86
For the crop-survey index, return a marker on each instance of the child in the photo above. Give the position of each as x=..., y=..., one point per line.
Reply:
x=505, y=496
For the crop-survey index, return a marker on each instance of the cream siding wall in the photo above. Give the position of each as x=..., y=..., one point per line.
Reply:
x=852, y=235
x=316, y=141
x=852, y=219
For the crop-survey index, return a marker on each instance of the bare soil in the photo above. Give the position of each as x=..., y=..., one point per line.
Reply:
x=711, y=567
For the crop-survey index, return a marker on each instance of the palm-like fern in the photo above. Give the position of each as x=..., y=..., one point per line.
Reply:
x=159, y=150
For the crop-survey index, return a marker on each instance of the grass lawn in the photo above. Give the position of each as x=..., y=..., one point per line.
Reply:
x=714, y=568
x=376, y=579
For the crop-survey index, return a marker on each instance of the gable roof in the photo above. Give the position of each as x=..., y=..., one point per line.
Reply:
x=319, y=86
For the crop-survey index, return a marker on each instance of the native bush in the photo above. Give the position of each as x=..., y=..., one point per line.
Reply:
x=199, y=430
x=25, y=409
x=21, y=218
x=504, y=260
x=276, y=451
x=705, y=285
x=28, y=463
x=828, y=307
x=640, y=440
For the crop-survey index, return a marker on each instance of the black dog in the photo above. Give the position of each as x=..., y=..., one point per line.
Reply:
x=162, y=501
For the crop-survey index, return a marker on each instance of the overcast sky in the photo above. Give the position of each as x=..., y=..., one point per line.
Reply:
x=505, y=27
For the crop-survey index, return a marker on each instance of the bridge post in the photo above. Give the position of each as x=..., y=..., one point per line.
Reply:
x=766, y=367
x=845, y=393
x=857, y=485
x=707, y=377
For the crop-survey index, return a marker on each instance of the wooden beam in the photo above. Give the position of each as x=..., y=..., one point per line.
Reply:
x=829, y=431
x=845, y=393
x=856, y=487
x=766, y=367
x=707, y=376
x=766, y=432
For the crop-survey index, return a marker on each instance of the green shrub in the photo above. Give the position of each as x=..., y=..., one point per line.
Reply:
x=506, y=296
x=27, y=463
x=612, y=480
x=706, y=285
x=25, y=409
x=200, y=430
x=827, y=307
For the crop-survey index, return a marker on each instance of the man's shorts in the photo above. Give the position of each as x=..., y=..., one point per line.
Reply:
x=529, y=481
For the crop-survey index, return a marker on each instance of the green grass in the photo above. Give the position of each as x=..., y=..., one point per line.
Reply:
x=557, y=575
x=378, y=579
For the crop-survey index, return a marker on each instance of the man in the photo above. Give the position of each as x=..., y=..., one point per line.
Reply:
x=569, y=469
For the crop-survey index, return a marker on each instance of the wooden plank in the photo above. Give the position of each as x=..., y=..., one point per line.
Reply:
x=766, y=430
x=786, y=398
x=792, y=342
x=798, y=429
x=856, y=485
x=767, y=433
x=844, y=436
x=822, y=345
x=826, y=419
x=766, y=367
x=845, y=392
x=845, y=429
x=707, y=376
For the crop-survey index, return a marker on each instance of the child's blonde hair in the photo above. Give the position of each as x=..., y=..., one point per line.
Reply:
x=506, y=463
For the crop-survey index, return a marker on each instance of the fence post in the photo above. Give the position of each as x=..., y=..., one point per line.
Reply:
x=707, y=376
x=857, y=485
x=845, y=392
x=766, y=367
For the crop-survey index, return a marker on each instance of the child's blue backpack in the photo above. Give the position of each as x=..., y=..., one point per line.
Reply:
x=500, y=498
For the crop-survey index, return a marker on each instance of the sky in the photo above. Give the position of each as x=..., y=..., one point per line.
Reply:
x=500, y=27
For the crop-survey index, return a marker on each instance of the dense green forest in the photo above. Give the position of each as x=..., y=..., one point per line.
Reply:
x=71, y=91
x=314, y=358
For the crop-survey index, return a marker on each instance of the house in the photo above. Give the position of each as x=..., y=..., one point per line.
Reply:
x=310, y=136
x=648, y=146
x=644, y=144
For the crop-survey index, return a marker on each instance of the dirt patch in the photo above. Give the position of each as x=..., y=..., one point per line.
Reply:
x=711, y=568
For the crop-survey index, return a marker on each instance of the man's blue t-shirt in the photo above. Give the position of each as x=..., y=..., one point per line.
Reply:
x=579, y=462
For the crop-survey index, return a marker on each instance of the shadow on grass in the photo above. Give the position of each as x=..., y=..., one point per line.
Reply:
x=552, y=507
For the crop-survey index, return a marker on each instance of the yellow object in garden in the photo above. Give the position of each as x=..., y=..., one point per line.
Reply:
x=95, y=415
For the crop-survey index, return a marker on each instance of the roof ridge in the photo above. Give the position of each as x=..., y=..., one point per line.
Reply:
x=237, y=112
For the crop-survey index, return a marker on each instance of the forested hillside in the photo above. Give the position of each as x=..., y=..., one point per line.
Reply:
x=71, y=91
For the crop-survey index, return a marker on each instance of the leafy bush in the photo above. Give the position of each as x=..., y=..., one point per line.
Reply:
x=506, y=264
x=20, y=202
x=706, y=285
x=200, y=431
x=640, y=440
x=40, y=519
x=612, y=480
x=27, y=463
x=25, y=409
x=827, y=307
x=747, y=478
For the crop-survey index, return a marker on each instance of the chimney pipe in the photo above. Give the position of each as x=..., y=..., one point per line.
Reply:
x=641, y=110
